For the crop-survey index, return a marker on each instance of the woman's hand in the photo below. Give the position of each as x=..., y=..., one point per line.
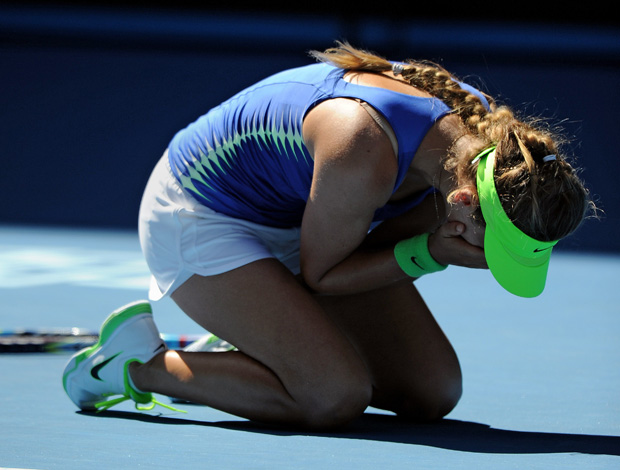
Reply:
x=447, y=246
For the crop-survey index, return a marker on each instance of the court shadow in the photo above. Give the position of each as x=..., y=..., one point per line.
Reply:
x=445, y=434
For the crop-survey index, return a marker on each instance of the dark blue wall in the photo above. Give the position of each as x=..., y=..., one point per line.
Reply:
x=90, y=98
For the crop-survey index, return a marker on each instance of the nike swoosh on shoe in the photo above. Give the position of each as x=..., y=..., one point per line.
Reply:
x=94, y=372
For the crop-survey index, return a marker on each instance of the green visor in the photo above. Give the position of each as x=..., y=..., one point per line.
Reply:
x=517, y=261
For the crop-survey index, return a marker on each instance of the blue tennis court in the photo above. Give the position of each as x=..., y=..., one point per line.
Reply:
x=91, y=97
x=541, y=376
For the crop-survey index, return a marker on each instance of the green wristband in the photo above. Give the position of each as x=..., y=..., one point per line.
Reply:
x=413, y=257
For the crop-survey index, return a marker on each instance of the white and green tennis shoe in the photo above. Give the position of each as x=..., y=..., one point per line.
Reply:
x=96, y=374
x=209, y=343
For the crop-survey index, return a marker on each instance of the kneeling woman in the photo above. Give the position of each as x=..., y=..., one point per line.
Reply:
x=292, y=221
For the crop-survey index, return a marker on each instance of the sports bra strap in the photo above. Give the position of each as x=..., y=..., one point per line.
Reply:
x=383, y=124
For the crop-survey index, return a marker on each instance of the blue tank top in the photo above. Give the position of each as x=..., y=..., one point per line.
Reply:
x=246, y=157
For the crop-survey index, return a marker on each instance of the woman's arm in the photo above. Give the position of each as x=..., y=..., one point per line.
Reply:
x=354, y=174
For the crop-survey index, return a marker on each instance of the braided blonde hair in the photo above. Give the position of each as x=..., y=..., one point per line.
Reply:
x=546, y=200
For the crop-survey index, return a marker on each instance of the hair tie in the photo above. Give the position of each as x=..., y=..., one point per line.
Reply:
x=549, y=158
x=397, y=69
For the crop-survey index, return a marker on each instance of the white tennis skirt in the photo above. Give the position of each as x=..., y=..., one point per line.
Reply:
x=180, y=237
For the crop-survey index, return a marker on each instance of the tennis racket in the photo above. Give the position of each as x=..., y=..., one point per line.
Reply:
x=60, y=340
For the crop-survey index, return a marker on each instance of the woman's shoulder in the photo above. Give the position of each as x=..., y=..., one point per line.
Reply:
x=343, y=123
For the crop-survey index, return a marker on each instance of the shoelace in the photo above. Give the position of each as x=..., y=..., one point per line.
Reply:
x=107, y=404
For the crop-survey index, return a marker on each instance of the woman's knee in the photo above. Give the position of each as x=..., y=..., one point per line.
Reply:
x=430, y=401
x=336, y=404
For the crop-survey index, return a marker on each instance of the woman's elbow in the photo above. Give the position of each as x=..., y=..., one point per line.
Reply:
x=315, y=281
x=312, y=283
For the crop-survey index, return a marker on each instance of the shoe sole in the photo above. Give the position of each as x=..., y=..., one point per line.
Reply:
x=109, y=326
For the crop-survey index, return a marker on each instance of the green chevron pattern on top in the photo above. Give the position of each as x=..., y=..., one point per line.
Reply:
x=283, y=136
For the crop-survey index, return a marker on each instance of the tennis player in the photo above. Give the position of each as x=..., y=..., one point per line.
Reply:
x=293, y=220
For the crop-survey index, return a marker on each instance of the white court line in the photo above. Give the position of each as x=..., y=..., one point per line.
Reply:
x=22, y=266
x=40, y=258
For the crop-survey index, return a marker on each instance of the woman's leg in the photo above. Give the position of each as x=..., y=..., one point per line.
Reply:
x=294, y=365
x=414, y=369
